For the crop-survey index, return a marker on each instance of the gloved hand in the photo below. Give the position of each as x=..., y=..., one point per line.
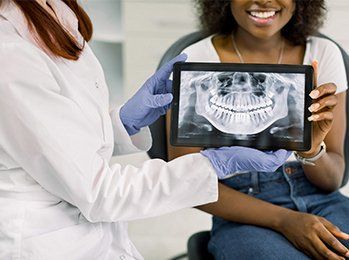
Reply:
x=151, y=101
x=229, y=160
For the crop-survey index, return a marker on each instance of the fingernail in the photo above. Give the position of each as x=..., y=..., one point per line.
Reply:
x=313, y=118
x=314, y=94
x=314, y=107
x=347, y=254
x=346, y=236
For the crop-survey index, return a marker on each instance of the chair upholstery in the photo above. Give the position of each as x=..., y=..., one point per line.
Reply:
x=197, y=243
x=197, y=246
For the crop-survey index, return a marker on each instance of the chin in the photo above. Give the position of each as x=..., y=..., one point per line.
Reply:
x=262, y=33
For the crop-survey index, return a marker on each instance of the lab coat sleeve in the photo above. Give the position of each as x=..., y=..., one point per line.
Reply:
x=48, y=135
x=125, y=144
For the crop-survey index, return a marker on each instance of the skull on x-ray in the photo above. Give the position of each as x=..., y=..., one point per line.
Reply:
x=242, y=103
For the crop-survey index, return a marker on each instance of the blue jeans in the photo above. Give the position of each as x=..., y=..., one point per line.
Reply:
x=289, y=188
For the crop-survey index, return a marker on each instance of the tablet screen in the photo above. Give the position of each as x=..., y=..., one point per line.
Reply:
x=247, y=104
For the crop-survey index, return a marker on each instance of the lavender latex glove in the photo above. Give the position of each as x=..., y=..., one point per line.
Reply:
x=151, y=101
x=229, y=160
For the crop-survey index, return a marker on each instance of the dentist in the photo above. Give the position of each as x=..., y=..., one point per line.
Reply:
x=59, y=197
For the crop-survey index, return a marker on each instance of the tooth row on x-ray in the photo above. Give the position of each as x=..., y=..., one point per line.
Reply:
x=239, y=102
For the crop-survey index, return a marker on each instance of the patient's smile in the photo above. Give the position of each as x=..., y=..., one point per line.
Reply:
x=263, y=17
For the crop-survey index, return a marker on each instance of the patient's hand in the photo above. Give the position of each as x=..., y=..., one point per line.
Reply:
x=314, y=235
x=324, y=101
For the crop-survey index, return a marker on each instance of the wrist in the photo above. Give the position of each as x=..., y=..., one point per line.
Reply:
x=281, y=218
x=130, y=128
x=311, y=153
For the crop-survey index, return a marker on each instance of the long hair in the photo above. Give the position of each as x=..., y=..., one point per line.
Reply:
x=54, y=37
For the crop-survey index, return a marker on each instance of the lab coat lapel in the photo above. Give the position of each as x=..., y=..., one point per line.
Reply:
x=12, y=13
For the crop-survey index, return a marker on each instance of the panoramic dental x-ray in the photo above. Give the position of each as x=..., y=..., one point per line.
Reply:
x=242, y=105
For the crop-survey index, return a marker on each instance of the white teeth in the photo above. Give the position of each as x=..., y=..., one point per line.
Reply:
x=235, y=103
x=263, y=103
x=263, y=15
x=213, y=99
x=241, y=109
x=269, y=111
x=262, y=115
x=253, y=101
x=258, y=101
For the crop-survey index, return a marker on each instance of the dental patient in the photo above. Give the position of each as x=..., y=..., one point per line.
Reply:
x=297, y=211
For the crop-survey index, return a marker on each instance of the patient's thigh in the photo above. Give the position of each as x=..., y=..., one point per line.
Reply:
x=335, y=208
x=235, y=241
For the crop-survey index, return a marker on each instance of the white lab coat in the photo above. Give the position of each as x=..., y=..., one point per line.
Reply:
x=59, y=197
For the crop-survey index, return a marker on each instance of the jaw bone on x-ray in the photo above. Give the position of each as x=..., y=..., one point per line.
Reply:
x=242, y=103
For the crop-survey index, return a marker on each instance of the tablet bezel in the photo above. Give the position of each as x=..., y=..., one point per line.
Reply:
x=238, y=67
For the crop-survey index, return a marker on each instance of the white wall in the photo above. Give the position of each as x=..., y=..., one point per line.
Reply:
x=150, y=26
x=337, y=23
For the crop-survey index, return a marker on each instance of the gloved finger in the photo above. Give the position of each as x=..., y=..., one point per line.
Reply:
x=167, y=107
x=160, y=100
x=281, y=155
x=165, y=71
x=168, y=86
x=163, y=110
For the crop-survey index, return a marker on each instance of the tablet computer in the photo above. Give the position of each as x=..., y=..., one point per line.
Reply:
x=256, y=105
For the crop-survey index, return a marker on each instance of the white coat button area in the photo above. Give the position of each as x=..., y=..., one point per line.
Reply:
x=122, y=257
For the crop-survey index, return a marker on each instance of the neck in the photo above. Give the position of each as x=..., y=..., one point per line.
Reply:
x=252, y=44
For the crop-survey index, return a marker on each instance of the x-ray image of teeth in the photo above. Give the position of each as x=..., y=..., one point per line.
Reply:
x=241, y=103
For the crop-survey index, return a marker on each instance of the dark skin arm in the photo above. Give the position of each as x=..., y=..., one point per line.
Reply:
x=309, y=233
x=330, y=127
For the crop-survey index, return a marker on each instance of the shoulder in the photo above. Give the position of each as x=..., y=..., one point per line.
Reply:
x=12, y=44
x=331, y=62
x=22, y=64
x=322, y=48
x=202, y=51
x=19, y=55
x=8, y=33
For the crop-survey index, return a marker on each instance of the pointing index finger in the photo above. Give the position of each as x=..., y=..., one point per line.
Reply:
x=166, y=70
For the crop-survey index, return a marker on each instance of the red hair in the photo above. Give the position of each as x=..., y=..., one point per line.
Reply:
x=54, y=37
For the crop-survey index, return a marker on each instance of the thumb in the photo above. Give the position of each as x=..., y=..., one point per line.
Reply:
x=160, y=100
x=315, y=65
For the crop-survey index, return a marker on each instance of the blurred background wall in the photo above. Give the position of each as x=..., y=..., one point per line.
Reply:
x=130, y=38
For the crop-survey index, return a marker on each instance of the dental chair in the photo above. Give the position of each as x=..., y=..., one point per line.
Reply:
x=197, y=243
